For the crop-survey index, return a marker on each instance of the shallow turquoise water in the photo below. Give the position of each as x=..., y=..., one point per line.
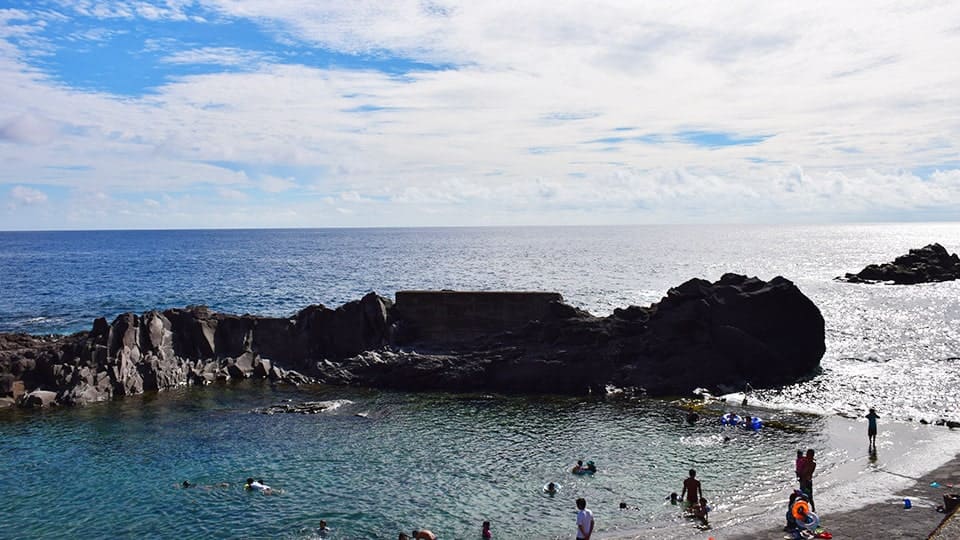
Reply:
x=443, y=462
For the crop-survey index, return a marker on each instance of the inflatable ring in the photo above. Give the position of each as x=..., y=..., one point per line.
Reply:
x=730, y=419
x=800, y=509
x=756, y=423
x=810, y=523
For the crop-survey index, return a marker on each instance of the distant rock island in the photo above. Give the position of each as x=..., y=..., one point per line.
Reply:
x=928, y=264
x=718, y=335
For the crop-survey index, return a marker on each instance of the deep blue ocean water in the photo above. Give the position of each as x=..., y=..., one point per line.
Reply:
x=445, y=462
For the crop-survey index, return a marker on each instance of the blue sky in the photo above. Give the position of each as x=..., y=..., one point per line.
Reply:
x=303, y=113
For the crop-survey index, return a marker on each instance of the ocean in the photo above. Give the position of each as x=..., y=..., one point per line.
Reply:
x=386, y=462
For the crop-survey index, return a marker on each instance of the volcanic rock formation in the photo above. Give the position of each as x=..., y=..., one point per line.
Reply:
x=722, y=335
x=928, y=264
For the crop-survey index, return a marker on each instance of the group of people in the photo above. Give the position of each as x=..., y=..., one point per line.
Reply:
x=800, y=506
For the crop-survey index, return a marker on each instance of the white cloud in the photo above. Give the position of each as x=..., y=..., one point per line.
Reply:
x=27, y=196
x=854, y=96
x=274, y=184
x=173, y=10
x=232, y=194
x=27, y=129
x=223, y=56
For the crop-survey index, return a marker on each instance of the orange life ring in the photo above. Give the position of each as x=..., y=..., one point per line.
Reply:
x=800, y=510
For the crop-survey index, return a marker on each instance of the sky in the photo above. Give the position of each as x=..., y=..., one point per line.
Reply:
x=306, y=113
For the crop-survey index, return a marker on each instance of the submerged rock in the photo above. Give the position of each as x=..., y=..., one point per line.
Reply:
x=306, y=407
x=735, y=331
x=930, y=263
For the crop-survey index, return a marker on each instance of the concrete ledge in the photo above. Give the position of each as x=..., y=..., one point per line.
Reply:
x=949, y=529
x=441, y=316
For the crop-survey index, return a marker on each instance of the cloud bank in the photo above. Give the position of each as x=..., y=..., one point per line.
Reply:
x=249, y=113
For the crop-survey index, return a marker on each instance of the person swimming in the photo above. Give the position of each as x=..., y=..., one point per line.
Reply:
x=551, y=488
x=258, y=485
x=591, y=467
x=578, y=468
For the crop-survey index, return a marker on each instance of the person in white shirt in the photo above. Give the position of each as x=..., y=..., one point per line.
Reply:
x=258, y=485
x=584, y=520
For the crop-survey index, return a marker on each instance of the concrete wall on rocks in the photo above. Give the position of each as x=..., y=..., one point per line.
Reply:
x=453, y=315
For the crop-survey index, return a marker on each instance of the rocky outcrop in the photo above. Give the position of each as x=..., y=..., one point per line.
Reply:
x=928, y=264
x=717, y=335
x=177, y=347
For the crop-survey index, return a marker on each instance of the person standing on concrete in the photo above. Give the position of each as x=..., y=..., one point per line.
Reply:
x=806, y=477
x=584, y=520
x=872, y=429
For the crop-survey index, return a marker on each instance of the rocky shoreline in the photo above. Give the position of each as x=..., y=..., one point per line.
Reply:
x=929, y=264
x=718, y=335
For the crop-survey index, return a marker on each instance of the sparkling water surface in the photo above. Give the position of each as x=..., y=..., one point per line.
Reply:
x=444, y=462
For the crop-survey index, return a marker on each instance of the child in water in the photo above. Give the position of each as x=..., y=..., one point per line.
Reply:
x=485, y=532
x=701, y=510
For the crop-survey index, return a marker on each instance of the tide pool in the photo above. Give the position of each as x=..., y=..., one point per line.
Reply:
x=384, y=463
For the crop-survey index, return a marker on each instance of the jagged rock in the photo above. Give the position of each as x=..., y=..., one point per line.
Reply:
x=700, y=334
x=930, y=263
x=39, y=399
x=306, y=407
